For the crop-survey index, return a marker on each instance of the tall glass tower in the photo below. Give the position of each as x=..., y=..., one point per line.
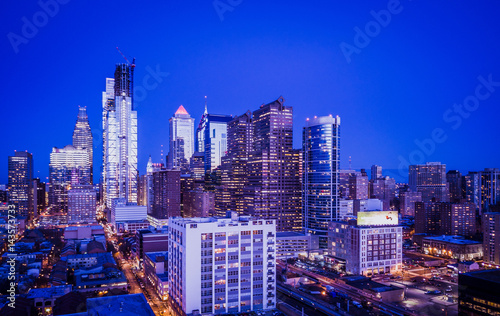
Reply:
x=181, y=138
x=119, y=120
x=82, y=137
x=211, y=138
x=321, y=140
x=274, y=190
x=20, y=183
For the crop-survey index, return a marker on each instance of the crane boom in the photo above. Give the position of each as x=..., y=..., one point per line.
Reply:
x=128, y=62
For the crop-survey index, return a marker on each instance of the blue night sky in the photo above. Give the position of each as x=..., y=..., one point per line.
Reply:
x=399, y=87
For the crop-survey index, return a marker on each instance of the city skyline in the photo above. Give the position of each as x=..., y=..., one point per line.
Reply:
x=397, y=88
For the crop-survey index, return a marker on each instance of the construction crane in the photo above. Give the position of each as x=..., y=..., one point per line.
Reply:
x=130, y=64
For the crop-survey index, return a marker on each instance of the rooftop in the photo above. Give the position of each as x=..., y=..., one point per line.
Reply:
x=160, y=256
x=49, y=292
x=181, y=111
x=122, y=305
x=487, y=275
x=289, y=234
x=458, y=240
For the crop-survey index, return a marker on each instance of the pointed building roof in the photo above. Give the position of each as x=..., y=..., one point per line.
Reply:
x=181, y=111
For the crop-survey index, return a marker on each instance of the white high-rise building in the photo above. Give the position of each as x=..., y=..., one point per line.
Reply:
x=221, y=265
x=371, y=244
x=181, y=138
x=119, y=137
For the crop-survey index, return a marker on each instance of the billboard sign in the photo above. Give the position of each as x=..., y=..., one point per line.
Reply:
x=378, y=218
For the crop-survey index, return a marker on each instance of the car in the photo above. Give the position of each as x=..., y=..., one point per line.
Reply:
x=448, y=289
x=435, y=292
x=357, y=304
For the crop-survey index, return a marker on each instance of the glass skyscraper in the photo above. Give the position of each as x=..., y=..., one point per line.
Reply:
x=68, y=166
x=119, y=122
x=20, y=185
x=181, y=139
x=321, y=159
x=273, y=190
x=211, y=138
x=82, y=137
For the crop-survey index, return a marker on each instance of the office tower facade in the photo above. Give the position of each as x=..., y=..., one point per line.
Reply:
x=483, y=189
x=39, y=200
x=407, y=200
x=82, y=138
x=443, y=218
x=20, y=182
x=473, y=188
x=235, y=165
x=82, y=204
x=321, y=159
x=120, y=175
x=344, y=176
x=221, y=265
x=274, y=190
x=358, y=186
x=166, y=194
x=384, y=189
x=455, y=186
x=368, y=250
x=197, y=166
x=490, y=189
x=68, y=166
x=211, y=138
x=491, y=237
x=181, y=139
x=478, y=292
x=142, y=190
x=198, y=203
x=430, y=179
x=376, y=172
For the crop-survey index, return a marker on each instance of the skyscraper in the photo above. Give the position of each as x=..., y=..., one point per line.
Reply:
x=82, y=137
x=221, y=265
x=181, y=139
x=454, y=179
x=491, y=237
x=321, y=159
x=235, y=167
x=445, y=218
x=376, y=172
x=120, y=175
x=211, y=138
x=483, y=189
x=490, y=189
x=20, y=182
x=68, y=166
x=166, y=194
x=274, y=190
x=430, y=179
x=82, y=202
